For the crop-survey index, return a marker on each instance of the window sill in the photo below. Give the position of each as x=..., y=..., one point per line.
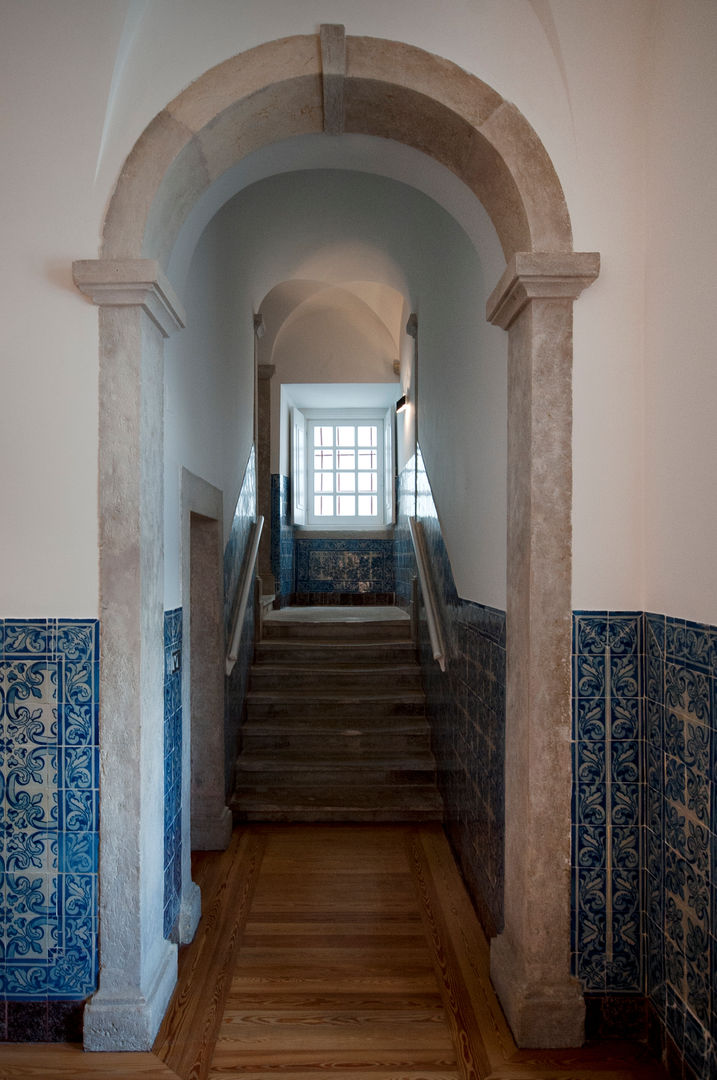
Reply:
x=311, y=532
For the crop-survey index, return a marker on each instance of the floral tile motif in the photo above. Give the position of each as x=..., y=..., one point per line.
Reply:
x=49, y=794
x=607, y=799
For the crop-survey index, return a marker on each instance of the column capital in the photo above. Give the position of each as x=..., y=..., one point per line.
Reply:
x=129, y=283
x=540, y=275
x=265, y=371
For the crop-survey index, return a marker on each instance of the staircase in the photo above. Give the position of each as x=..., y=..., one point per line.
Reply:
x=336, y=726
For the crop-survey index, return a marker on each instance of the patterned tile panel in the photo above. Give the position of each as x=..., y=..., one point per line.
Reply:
x=343, y=565
x=645, y=768
x=49, y=796
x=172, y=768
x=680, y=835
x=607, y=749
x=466, y=704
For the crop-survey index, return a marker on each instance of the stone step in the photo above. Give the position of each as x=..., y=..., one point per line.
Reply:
x=335, y=680
x=345, y=741
x=335, y=726
x=300, y=773
x=355, y=803
x=369, y=711
x=338, y=629
x=341, y=654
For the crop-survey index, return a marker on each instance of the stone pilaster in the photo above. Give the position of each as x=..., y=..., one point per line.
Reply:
x=138, y=966
x=530, y=960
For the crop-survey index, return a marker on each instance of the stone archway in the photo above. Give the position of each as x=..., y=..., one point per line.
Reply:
x=298, y=85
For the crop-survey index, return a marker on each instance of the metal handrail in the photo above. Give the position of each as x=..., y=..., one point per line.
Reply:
x=429, y=597
x=243, y=593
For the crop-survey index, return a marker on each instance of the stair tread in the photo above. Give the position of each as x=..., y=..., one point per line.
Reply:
x=279, y=759
x=336, y=721
x=297, y=645
x=375, y=795
x=339, y=696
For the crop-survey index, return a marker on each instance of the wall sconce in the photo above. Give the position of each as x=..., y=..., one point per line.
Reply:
x=401, y=403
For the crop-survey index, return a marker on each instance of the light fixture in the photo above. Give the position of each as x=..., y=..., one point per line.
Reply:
x=401, y=403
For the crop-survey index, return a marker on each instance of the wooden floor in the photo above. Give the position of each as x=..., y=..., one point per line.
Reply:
x=343, y=951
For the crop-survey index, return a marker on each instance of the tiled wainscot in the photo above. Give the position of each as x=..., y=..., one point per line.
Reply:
x=49, y=774
x=466, y=703
x=282, y=537
x=172, y=769
x=645, y=824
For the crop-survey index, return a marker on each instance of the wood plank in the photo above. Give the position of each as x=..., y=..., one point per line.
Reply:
x=324, y=892
x=57, y=1061
x=425, y=1072
x=230, y=1059
x=465, y=946
x=335, y=1000
x=473, y=1061
x=364, y=1031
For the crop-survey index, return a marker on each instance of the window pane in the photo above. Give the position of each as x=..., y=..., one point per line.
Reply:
x=367, y=505
x=367, y=481
x=367, y=459
x=346, y=505
x=346, y=482
x=323, y=505
x=367, y=436
x=323, y=436
x=323, y=459
x=346, y=436
x=346, y=459
x=324, y=481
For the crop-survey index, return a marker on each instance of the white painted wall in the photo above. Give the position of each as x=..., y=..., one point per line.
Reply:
x=53, y=89
x=681, y=316
x=340, y=227
x=620, y=91
x=209, y=398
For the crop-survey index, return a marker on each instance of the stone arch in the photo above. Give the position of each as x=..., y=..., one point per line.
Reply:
x=390, y=89
x=362, y=85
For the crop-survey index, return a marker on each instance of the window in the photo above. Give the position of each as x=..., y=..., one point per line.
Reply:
x=340, y=462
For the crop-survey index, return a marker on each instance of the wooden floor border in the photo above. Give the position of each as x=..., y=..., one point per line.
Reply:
x=486, y=1049
x=186, y=1039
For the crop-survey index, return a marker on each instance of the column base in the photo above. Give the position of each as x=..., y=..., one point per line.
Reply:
x=212, y=833
x=130, y=1020
x=542, y=1014
x=190, y=912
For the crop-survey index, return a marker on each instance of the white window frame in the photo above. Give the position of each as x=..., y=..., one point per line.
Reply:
x=304, y=513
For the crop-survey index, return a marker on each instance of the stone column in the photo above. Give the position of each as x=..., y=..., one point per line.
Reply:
x=137, y=965
x=264, y=374
x=530, y=960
